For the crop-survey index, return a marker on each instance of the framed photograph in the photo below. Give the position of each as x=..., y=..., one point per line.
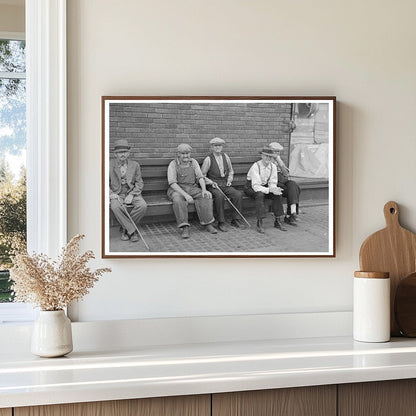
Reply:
x=218, y=176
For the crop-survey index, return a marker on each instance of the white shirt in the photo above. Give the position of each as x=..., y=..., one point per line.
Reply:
x=262, y=177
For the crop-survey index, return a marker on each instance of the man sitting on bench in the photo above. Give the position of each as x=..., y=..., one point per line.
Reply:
x=291, y=189
x=126, y=186
x=184, y=176
x=262, y=184
x=219, y=172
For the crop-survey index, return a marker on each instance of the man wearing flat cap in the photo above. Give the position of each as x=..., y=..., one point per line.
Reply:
x=219, y=172
x=126, y=186
x=187, y=186
x=291, y=189
x=262, y=184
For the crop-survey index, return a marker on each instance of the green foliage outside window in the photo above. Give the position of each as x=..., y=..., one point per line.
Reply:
x=12, y=224
x=12, y=145
x=5, y=292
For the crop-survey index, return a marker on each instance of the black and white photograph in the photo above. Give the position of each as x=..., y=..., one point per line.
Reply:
x=218, y=176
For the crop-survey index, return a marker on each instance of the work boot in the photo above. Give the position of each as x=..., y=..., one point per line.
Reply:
x=278, y=224
x=185, y=231
x=124, y=236
x=291, y=220
x=211, y=229
x=222, y=227
x=135, y=237
x=260, y=228
x=236, y=223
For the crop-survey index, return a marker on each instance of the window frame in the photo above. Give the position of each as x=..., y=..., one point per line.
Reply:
x=46, y=138
x=46, y=125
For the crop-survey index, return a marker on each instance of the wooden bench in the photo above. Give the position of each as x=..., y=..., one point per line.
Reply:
x=154, y=173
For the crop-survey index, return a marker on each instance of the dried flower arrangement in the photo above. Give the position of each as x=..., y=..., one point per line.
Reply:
x=53, y=285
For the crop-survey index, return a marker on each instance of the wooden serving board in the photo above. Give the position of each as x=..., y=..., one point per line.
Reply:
x=393, y=250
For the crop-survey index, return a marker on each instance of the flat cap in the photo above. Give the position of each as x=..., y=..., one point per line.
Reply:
x=217, y=140
x=184, y=148
x=275, y=146
x=266, y=151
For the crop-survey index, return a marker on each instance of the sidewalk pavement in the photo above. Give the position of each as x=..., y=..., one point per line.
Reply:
x=310, y=235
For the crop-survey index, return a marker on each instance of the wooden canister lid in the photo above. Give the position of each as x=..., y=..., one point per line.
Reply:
x=372, y=275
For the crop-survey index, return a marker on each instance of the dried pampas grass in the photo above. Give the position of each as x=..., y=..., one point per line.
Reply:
x=53, y=285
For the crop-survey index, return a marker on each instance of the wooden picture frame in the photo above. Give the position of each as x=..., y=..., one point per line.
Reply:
x=149, y=129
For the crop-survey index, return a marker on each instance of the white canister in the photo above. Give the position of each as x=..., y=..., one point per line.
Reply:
x=371, y=310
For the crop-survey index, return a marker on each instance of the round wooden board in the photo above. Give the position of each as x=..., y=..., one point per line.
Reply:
x=405, y=305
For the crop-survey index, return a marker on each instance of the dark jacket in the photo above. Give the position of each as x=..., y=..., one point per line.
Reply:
x=133, y=177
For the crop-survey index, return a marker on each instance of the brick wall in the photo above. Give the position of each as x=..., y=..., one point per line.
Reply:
x=155, y=129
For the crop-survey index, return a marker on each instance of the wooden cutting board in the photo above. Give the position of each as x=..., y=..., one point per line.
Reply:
x=393, y=250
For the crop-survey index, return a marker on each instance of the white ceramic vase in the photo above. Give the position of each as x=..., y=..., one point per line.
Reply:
x=52, y=334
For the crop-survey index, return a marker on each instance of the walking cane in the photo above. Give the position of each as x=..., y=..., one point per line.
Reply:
x=135, y=226
x=229, y=201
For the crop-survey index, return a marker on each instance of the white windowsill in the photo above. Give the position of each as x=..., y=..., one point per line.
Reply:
x=16, y=313
x=199, y=368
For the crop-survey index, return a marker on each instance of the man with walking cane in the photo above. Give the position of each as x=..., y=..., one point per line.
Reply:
x=126, y=186
x=218, y=170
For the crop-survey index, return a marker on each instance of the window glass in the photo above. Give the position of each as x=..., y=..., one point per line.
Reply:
x=12, y=156
x=12, y=56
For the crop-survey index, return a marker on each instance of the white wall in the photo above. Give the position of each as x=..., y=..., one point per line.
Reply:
x=360, y=51
x=12, y=18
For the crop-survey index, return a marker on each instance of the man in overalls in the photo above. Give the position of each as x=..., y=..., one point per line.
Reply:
x=187, y=186
x=126, y=186
x=262, y=184
x=219, y=171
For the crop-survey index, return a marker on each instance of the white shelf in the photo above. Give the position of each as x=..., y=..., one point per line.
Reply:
x=166, y=370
